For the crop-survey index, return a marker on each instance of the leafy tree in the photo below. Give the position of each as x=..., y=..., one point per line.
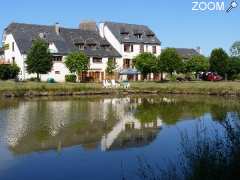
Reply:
x=77, y=62
x=170, y=61
x=39, y=59
x=145, y=63
x=219, y=61
x=235, y=49
x=197, y=64
x=111, y=66
x=8, y=71
x=233, y=67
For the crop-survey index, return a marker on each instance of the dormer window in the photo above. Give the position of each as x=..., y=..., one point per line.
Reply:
x=106, y=47
x=124, y=31
x=138, y=36
x=57, y=58
x=92, y=46
x=79, y=43
x=150, y=34
x=80, y=46
x=91, y=43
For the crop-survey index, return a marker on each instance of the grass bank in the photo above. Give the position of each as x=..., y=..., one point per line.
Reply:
x=12, y=89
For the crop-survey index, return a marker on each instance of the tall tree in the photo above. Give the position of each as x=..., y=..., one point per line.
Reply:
x=197, y=63
x=235, y=49
x=233, y=67
x=111, y=66
x=219, y=62
x=170, y=61
x=145, y=63
x=77, y=62
x=39, y=59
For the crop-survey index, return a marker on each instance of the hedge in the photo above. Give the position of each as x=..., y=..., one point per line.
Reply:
x=71, y=78
x=8, y=71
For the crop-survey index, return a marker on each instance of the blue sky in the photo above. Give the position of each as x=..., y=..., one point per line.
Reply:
x=173, y=20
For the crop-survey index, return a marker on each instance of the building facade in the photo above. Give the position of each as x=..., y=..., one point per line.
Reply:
x=18, y=39
x=116, y=41
x=130, y=40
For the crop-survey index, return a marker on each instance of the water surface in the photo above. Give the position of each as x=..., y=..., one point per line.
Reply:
x=99, y=137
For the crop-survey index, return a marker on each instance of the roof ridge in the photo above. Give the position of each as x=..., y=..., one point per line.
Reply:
x=113, y=22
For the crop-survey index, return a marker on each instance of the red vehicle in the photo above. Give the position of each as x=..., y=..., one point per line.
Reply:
x=210, y=76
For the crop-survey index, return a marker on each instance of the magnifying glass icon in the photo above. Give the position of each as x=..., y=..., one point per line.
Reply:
x=233, y=5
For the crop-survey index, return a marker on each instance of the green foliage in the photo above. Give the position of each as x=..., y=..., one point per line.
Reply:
x=111, y=66
x=170, y=61
x=235, y=49
x=197, y=64
x=219, y=61
x=77, y=62
x=71, y=78
x=145, y=63
x=233, y=68
x=39, y=59
x=8, y=71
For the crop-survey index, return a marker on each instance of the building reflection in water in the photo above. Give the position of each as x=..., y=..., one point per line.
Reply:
x=44, y=125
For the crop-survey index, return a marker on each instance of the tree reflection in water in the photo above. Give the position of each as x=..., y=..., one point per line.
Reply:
x=108, y=123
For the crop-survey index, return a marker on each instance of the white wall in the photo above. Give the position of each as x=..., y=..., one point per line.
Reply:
x=9, y=54
x=57, y=66
x=105, y=32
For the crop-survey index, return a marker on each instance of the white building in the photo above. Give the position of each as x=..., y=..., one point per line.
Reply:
x=117, y=41
x=18, y=38
x=130, y=40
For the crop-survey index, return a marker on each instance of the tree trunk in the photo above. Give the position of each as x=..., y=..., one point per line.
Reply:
x=38, y=78
x=161, y=76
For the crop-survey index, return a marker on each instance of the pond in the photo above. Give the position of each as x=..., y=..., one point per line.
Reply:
x=99, y=137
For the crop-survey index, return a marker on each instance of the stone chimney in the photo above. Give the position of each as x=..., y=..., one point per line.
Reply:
x=88, y=25
x=57, y=28
x=198, y=49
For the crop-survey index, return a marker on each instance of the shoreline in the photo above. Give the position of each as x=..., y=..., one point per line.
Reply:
x=12, y=90
x=32, y=93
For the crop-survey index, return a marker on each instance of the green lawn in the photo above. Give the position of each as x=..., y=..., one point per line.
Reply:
x=218, y=88
x=42, y=86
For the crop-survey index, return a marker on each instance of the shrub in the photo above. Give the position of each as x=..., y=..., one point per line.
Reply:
x=71, y=78
x=172, y=77
x=8, y=71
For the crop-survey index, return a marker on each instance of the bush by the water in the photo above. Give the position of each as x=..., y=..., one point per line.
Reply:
x=71, y=78
x=8, y=71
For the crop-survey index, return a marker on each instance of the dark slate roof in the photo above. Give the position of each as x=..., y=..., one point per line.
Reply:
x=187, y=53
x=24, y=34
x=126, y=33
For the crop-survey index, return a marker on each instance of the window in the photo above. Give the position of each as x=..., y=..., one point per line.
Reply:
x=126, y=63
x=141, y=48
x=106, y=47
x=97, y=60
x=154, y=49
x=13, y=47
x=128, y=47
x=57, y=58
x=57, y=72
x=92, y=46
x=138, y=36
x=13, y=60
x=81, y=46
